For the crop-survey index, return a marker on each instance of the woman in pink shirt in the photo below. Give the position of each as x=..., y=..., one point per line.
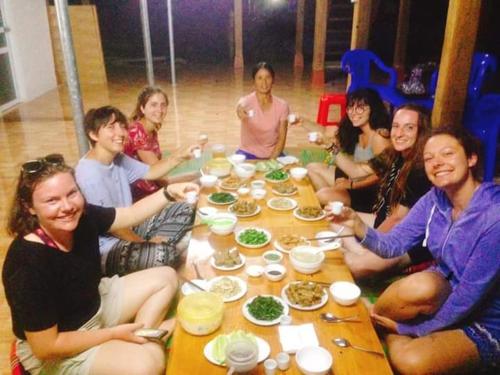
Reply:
x=263, y=117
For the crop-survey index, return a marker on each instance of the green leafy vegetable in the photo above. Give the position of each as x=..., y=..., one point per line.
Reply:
x=222, y=197
x=268, y=165
x=252, y=237
x=277, y=175
x=265, y=308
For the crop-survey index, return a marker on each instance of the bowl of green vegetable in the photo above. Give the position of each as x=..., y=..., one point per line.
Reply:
x=264, y=310
x=278, y=175
x=222, y=198
x=222, y=223
x=253, y=238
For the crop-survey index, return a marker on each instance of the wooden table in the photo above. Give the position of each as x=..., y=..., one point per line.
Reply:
x=186, y=356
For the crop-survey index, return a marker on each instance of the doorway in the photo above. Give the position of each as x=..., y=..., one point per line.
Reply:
x=8, y=95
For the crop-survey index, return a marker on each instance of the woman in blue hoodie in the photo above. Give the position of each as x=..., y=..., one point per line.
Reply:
x=445, y=319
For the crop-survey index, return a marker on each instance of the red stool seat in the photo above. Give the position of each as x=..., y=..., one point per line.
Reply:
x=15, y=365
x=325, y=102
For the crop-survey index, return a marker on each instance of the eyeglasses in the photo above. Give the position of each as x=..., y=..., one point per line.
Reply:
x=358, y=109
x=35, y=166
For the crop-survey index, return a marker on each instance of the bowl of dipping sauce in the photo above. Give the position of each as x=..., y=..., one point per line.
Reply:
x=272, y=256
x=274, y=272
x=306, y=259
x=345, y=293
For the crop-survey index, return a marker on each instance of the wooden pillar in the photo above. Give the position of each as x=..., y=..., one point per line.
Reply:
x=458, y=47
x=361, y=24
x=402, y=35
x=238, y=34
x=299, y=35
x=320, y=21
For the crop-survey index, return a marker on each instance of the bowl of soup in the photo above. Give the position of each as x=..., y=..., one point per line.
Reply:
x=306, y=259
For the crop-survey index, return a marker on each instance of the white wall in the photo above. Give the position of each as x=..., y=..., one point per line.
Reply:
x=31, y=47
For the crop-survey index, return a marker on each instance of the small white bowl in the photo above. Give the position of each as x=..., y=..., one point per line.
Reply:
x=345, y=293
x=272, y=257
x=314, y=360
x=244, y=170
x=298, y=173
x=258, y=193
x=242, y=191
x=299, y=258
x=223, y=230
x=275, y=272
x=208, y=180
x=207, y=212
x=258, y=184
x=254, y=270
x=237, y=158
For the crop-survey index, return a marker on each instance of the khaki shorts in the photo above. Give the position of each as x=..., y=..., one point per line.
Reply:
x=108, y=315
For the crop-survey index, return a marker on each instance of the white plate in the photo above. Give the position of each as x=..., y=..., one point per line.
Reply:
x=324, y=245
x=256, y=212
x=232, y=268
x=289, y=159
x=276, y=181
x=235, y=196
x=188, y=289
x=283, y=194
x=263, y=346
x=324, y=299
x=298, y=216
x=220, y=184
x=249, y=316
x=293, y=203
x=237, y=296
x=278, y=247
x=268, y=234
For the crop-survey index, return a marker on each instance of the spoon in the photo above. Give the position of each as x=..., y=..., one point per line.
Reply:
x=330, y=318
x=344, y=343
x=201, y=172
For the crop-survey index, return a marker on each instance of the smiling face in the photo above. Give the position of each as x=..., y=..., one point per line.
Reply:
x=57, y=203
x=110, y=137
x=263, y=81
x=359, y=113
x=155, y=109
x=446, y=163
x=404, y=130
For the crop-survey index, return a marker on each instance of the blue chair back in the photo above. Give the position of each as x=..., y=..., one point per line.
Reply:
x=482, y=64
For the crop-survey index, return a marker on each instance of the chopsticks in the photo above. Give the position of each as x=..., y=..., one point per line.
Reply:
x=193, y=284
x=329, y=237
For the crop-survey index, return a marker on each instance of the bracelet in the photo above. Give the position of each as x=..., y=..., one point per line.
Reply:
x=167, y=194
x=352, y=182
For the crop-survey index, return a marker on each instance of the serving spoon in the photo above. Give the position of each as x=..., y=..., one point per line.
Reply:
x=330, y=318
x=344, y=343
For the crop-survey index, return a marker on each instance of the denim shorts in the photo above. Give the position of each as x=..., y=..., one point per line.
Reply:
x=487, y=345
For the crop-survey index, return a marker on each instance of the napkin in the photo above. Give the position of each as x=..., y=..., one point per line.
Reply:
x=294, y=338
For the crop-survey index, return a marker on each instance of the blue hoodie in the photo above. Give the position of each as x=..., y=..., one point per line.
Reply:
x=467, y=252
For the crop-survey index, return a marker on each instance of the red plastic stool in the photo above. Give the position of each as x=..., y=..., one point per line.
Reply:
x=16, y=367
x=325, y=102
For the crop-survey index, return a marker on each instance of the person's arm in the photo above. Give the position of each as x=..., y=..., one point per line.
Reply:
x=379, y=143
x=362, y=182
x=148, y=157
x=127, y=217
x=163, y=166
x=278, y=149
x=480, y=276
x=51, y=344
x=127, y=234
x=394, y=218
x=351, y=168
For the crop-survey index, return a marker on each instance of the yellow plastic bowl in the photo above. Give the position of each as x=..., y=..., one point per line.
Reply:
x=201, y=313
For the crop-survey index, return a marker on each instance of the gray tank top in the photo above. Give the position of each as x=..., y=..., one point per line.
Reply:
x=363, y=154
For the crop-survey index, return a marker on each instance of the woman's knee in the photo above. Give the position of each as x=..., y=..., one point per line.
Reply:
x=409, y=360
x=325, y=195
x=315, y=167
x=146, y=364
x=426, y=288
x=163, y=277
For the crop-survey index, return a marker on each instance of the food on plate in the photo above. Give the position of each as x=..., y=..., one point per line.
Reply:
x=310, y=212
x=304, y=293
x=253, y=237
x=244, y=207
x=285, y=188
x=227, y=257
x=265, y=308
x=269, y=165
x=230, y=183
x=289, y=241
x=225, y=287
x=281, y=203
x=221, y=342
x=221, y=197
x=277, y=175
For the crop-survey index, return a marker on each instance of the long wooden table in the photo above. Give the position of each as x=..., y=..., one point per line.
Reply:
x=186, y=356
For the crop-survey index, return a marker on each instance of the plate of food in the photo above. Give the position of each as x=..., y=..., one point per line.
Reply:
x=230, y=183
x=277, y=175
x=309, y=213
x=286, y=242
x=284, y=189
x=227, y=259
x=230, y=288
x=305, y=295
x=267, y=166
x=264, y=310
x=222, y=198
x=282, y=204
x=287, y=160
x=215, y=350
x=253, y=238
x=244, y=208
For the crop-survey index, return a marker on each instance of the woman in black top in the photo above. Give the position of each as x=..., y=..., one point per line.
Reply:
x=66, y=317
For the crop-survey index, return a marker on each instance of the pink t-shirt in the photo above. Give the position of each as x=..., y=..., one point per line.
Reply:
x=259, y=134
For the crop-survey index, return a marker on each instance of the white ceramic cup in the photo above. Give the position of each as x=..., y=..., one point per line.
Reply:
x=270, y=366
x=312, y=136
x=258, y=184
x=258, y=193
x=250, y=113
x=336, y=207
x=203, y=138
x=197, y=153
x=191, y=197
x=292, y=118
x=283, y=360
x=285, y=320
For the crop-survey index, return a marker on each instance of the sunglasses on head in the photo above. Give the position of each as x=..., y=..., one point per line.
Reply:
x=34, y=166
